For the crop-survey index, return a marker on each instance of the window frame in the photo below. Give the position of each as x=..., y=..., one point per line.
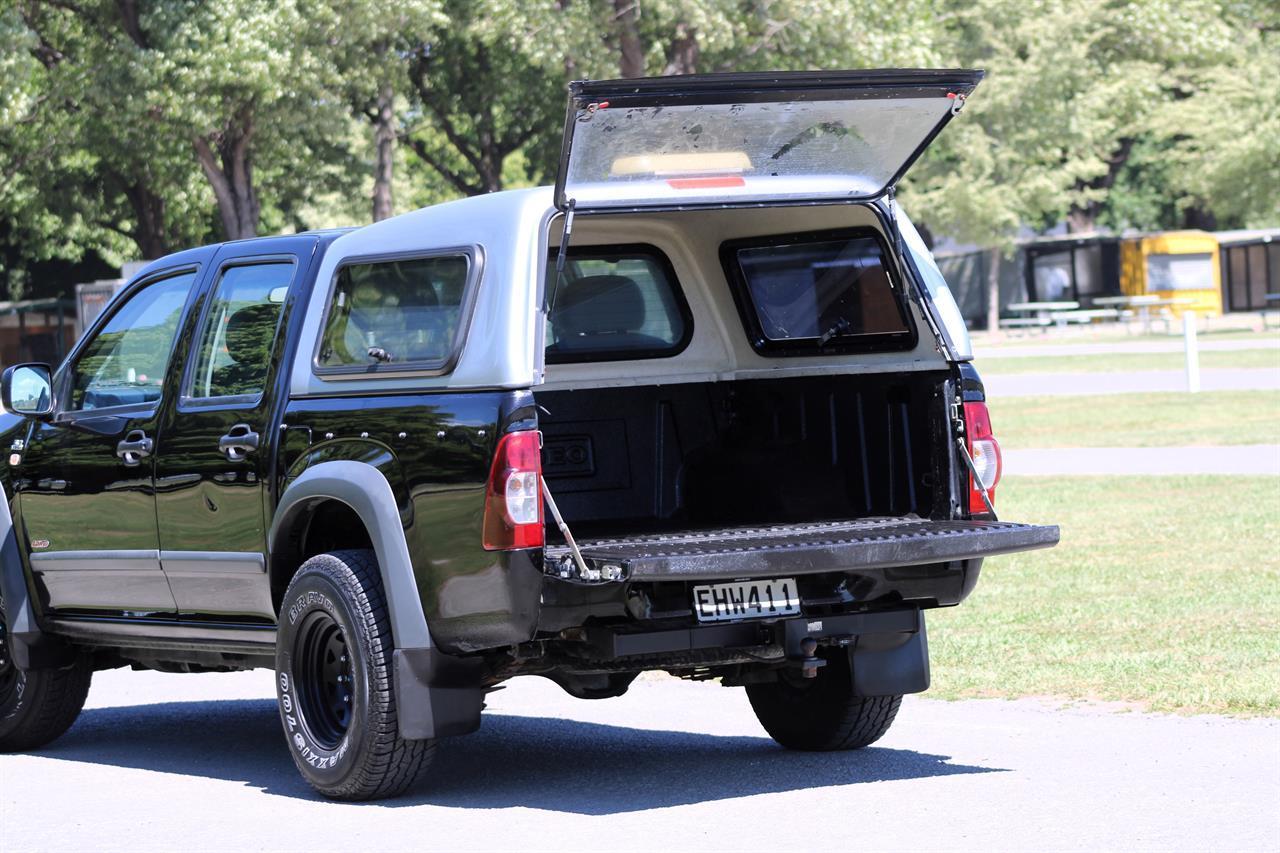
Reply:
x=187, y=402
x=474, y=254
x=616, y=252
x=65, y=380
x=871, y=342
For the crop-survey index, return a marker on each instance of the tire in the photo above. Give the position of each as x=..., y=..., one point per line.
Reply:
x=334, y=682
x=37, y=707
x=821, y=714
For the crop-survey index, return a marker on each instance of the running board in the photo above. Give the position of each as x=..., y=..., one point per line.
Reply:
x=788, y=549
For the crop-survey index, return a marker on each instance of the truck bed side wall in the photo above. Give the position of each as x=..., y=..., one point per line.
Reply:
x=472, y=598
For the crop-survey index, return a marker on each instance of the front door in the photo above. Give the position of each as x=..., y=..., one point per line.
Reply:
x=216, y=443
x=84, y=480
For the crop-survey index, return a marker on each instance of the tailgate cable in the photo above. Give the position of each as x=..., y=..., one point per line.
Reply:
x=977, y=480
x=564, y=531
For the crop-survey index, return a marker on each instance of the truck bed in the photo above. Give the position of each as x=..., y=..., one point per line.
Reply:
x=789, y=549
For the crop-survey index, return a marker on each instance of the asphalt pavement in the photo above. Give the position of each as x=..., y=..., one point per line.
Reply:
x=197, y=762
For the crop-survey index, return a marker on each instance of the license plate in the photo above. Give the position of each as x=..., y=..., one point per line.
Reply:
x=720, y=602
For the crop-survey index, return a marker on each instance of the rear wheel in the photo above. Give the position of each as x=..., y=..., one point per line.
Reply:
x=334, y=682
x=38, y=706
x=822, y=714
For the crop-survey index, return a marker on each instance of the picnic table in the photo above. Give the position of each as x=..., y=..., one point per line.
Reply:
x=1036, y=314
x=1144, y=306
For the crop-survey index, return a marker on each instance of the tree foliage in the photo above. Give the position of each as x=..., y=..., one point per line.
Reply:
x=136, y=127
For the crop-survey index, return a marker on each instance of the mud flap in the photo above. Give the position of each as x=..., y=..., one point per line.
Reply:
x=890, y=664
x=436, y=694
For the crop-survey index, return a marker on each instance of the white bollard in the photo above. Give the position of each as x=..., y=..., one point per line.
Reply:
x=1193, y=352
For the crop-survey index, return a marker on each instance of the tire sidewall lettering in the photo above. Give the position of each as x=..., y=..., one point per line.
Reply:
x=306, y=751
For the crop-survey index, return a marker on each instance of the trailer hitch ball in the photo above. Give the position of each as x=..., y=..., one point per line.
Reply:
x=810, y=663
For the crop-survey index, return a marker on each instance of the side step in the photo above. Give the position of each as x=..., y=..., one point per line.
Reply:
x=786, y=549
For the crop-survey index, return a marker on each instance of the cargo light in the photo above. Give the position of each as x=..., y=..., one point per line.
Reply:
x=985, y=452
x=513, y=499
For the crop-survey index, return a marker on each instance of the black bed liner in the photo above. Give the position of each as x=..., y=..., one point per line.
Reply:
x=788, y=549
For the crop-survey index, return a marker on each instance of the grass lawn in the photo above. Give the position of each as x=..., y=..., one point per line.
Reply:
x=1165, y=592
x=1138, y=420
x=1127, y=362
x=1234, y=328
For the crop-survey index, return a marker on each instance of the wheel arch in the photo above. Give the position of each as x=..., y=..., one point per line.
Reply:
x=365, y=492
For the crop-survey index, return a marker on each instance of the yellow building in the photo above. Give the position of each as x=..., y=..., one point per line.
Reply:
x=1179, y=265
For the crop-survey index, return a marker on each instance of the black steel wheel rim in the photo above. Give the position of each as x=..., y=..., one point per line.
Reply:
x=322, y=670
x=10, y=676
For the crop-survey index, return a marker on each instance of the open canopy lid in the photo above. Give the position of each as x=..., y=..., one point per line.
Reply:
x=719, y=139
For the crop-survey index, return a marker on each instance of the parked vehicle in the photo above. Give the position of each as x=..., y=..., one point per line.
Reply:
x=705, y=406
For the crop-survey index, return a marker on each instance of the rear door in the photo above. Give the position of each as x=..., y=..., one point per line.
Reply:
x=749, y=138
x=216, y=442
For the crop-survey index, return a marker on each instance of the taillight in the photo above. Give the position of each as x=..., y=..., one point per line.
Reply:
x=985, y=451
x=513, y=500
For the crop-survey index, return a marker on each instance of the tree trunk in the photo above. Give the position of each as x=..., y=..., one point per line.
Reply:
x=626, y=14
x=1082, y=220
x=150, y=232
x=682, y=56
x=996, y=256
x=227, y=160
x=384, y=140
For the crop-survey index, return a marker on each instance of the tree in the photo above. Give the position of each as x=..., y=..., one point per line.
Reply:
x=367, y=45
x=1073, y=93
x=482, y=97
x=84, y=163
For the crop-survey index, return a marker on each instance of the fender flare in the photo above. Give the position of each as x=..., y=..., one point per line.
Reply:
x=436, y=694
x=366, y=491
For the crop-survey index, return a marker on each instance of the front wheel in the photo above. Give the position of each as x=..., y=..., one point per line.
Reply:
x=334, y=682
x=822, y=714
x=38, y=706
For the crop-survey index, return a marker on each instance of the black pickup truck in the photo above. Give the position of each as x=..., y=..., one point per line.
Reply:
x=704, y=407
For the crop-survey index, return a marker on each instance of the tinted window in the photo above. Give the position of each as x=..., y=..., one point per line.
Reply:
x=616, y=305
x=820, y=292
x=395, y=312
x=126, y=361
x=239, y=331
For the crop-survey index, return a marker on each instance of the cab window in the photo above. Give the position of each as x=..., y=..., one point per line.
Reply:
x=239, y=331
x=613, y=304
x=125, y=363
x=396, y=313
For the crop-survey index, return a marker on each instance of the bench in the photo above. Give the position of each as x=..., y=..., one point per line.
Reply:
x=1086, y=315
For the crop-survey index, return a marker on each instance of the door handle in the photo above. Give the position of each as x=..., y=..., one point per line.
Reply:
x=239, y=442
x=135, y=447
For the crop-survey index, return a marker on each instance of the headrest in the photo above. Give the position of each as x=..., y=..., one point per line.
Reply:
x=598, y=304
x=249, y=333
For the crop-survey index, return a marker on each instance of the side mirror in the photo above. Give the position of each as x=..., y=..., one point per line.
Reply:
x=27, y=389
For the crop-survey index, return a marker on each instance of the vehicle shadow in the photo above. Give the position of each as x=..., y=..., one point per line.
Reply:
x=535, y=762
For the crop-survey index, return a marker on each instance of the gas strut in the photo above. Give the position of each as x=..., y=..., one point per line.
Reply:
x=564, y=530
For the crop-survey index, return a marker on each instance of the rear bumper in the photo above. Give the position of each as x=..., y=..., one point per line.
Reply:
x=888, y=650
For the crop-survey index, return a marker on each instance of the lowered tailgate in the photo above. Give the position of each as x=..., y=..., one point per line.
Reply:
x=790, y=549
